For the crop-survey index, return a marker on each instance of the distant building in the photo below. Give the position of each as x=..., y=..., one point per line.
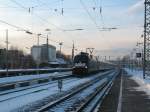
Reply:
x=47, y=53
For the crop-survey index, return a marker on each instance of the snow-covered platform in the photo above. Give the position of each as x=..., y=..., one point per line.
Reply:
x=134, y=99
x=130, y=93
x=136, y=91
x=10, y=83
x=9, y=80
x=18, y=72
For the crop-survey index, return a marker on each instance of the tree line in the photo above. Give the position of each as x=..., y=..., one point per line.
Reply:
x=15, y=58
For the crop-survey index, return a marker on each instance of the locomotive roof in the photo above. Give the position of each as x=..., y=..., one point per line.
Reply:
x=84, y=53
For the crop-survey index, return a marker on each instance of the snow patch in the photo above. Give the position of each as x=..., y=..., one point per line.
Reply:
x=137, y=76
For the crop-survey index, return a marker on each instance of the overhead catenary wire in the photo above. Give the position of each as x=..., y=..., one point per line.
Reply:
x=94, y=2
x=33, y=33
x=45, y=4
x=93, y=20
x=101, y=15
x=90, y=16
x=24, y=29
x=14, y=26
x=98, y=9
x=42, y=20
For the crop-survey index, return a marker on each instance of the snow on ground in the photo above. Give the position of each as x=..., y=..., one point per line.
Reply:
x=44, y=91
x=13, y=70
x=137, y=75
x=80, y=96
x=9, y=105
x=29, y=77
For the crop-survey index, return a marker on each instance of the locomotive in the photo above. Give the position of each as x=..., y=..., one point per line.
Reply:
x=84, y=64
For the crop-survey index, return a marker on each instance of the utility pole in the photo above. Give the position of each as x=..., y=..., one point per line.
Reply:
x=38, y=60
x=6, y=52
x=48, y=30
x=47, y=50
x=146, y=57
x=60, y=46
x=132, y=60
x=60, y=52
x=105, y=58
x=109, y=58
x=73, y=48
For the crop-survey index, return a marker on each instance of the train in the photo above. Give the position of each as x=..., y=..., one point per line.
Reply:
x=84, y=64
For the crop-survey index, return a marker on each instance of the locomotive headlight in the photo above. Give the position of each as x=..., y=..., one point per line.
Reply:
x=80, y=64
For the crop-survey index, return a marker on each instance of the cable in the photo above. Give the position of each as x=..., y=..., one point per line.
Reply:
x=45, y=4
x=19, y=4
x=93, y=20
x=95, y=2
x=37, y=15
x=103, y=24
x=27, y=31
x=99, y=6
x=14, y=26
x=42, y=20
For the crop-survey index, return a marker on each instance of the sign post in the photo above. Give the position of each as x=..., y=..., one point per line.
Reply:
x=60, y=84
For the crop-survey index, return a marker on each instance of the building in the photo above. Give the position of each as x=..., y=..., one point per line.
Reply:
x=44, y=53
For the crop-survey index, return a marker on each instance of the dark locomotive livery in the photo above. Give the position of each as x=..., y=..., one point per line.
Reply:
x=84, y=64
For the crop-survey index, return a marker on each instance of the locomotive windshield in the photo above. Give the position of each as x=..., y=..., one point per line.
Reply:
x=81, y=58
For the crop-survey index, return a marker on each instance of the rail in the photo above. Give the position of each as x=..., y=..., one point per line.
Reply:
x=24, y=81
x=18, y=72
x=71, y=94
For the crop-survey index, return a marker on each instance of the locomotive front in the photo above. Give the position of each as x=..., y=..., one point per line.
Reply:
x=80, y=64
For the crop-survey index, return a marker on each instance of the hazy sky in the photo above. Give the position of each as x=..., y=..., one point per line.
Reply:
x=126, y=15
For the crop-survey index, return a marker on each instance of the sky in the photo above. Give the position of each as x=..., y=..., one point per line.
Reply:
x=39, y=15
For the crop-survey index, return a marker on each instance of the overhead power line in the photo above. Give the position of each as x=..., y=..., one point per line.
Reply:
x=19, y=4
x=44, y=20
x=101, y=15
x=23, y=29
x=45, y=4
x=90, y=16
x=32, y=33
x=14, y=26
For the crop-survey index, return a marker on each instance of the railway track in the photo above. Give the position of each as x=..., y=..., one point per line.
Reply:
x=17, y=72
x=53, y=78
x=32, y=89
x=78, y=99
x=20, y=92
x=95, y=99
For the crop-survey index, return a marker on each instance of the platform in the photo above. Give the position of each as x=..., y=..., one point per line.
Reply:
x=131, y=100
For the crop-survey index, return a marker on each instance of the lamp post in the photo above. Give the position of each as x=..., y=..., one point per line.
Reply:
x=6, y=52
x=38, y=52
x=105, y=58
x=73, y=47
x=61, y=43
x=47, y=42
